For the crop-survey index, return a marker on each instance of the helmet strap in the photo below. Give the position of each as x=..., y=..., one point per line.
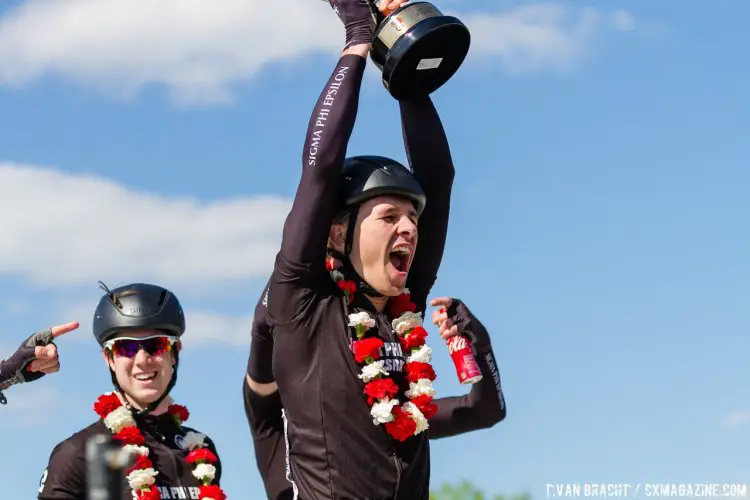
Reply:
x=349, y=270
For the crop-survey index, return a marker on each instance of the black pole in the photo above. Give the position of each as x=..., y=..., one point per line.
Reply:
x=106, y=462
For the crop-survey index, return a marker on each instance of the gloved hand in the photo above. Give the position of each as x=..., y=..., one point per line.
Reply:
x=359, y=18
x=36, y=357
x=453, y=317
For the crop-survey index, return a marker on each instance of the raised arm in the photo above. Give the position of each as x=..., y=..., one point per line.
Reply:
x=484, y=406
x=430, y=159
x=307, y=226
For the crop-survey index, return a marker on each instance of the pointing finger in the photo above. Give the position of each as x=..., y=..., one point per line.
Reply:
x=441, y=301
x=61, y=329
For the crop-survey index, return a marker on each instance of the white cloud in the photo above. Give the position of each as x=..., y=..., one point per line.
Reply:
x=68, y=229
x=30, y=405
x=198, y=50
x=215, y=328
x=736, y=419
x=539, y=36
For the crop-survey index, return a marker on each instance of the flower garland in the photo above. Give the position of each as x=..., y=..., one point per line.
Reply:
x=401, y=420
x=141, y=475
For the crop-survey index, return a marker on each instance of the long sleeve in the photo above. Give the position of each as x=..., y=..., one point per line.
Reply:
x=482, y=408
x=260, y=360
x=331, y=124
x=300, y=264
x=430, y=159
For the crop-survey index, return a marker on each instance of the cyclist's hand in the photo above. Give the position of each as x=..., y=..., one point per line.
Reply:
x=359, y=19
x=453, y=317
x=36, y=357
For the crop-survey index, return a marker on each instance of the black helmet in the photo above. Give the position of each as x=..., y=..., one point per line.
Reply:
x=137, y=306
x=365, y=177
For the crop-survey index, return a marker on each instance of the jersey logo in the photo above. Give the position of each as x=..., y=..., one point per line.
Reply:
x=392, y=356
x=43, y=480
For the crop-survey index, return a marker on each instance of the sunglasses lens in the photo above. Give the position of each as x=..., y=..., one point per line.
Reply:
x=156, y=345
x=127, y=347
x=153, y=346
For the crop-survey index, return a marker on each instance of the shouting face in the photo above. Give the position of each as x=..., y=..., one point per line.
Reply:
x=384, y=242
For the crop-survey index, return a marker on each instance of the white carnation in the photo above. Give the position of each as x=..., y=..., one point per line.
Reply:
x=141, y=478
x=417, y=416
x=204, y=472
x=361, y=318
x=423, y=387
x=192, y=440
x=423, y=355
x=381, y=411
x=371, y=371
x=135, y=449
x=407, y=321
x=119, y=419
x=336, y=275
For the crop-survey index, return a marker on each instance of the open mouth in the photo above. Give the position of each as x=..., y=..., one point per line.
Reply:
x=145, y=377
x=400, y=258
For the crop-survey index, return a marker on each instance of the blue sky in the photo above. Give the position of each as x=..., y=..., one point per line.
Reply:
x=597, y=226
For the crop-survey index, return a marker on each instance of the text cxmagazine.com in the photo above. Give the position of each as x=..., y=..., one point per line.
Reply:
x=648, y=490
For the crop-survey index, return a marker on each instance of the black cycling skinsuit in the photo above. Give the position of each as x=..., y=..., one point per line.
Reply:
x=483, y=407
x=335, y=450
x=65, y=476
x=264, y=413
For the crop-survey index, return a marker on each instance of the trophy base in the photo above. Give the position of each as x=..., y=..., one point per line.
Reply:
x=418, y=49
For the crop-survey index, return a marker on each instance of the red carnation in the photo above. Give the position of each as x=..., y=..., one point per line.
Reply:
x=149, y=494
x=106, y=404
x=367, y=348
x=142, y=462
x=379, y=389
x=399, y=305
x=414, y=339
x=329, y=265
x=213, y=491
x=417, y=370
x=201, y=455
x=348, y=287
x=179, y=412
x=425, y=405
x=130, y=435
x=402, y=426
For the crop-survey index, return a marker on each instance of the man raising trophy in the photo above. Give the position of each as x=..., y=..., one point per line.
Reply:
x=348, y=292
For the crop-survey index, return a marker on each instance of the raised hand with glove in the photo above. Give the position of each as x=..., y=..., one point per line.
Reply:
x=359, y=18
x=453, y=317
x=36, y=357
x=484, y=406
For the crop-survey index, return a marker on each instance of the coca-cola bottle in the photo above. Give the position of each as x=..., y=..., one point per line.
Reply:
x=466, y=365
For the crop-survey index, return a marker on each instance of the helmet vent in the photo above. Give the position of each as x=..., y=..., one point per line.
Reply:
x=112, y=297
x=162, y=297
